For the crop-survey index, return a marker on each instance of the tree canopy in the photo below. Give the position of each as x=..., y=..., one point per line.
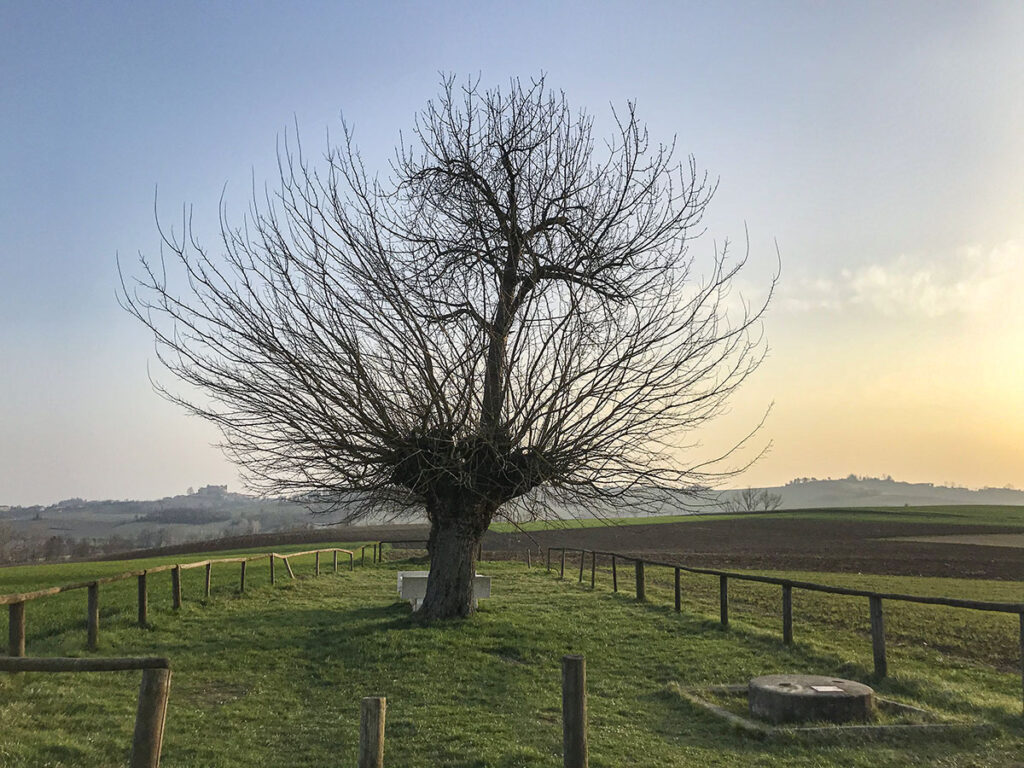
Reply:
x=510, y=317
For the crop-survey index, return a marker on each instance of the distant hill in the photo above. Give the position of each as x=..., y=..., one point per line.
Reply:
x=855, y=491
x=79, y=528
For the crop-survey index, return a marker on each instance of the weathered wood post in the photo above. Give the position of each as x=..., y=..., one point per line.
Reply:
x=16, y=629
x=209, y=581
x=316, y=566
x=351, y=561
x=94, y=615
x=787, y=614
x=878, y=636
x=641, y=582
x=371, y=732
x=362, y=553
x=176, y=587
x=574, y=712
x=1022, y=657
x=143, y=601
x=548, y=566
x=593, y=568
x=679, y=593
x=150, y=718
x=480, y=551
x=615, y=575
x=241, y=577
x=723, y=600
x=376, y=554
x=288, y=565
x=529, y=563
x=335, y=561
x=273, y=576
x=583, y=557
x=561, y=572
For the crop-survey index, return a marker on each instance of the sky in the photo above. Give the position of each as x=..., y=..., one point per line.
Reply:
x=874, y=150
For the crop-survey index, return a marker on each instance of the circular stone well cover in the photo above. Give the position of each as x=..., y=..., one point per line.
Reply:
x=804, y=698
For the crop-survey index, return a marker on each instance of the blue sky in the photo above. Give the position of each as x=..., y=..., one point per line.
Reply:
x=878, y=144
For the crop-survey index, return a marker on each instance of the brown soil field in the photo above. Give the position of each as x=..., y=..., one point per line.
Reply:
x=755, y=542
x=985, y=539
x=764, y=542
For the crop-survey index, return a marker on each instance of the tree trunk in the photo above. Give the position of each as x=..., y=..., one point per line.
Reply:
x=452, y=549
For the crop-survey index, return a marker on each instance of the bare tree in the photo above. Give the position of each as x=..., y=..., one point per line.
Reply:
x=752, y=500
x=511, y=319
x=6, y=537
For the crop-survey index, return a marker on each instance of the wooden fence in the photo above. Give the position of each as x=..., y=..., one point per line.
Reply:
x=151, y=713
x=875, y=599
x=16, y=602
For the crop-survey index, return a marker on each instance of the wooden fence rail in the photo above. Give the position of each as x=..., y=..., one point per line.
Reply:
x=875, y=599
x=16, y=602
x=151, y=713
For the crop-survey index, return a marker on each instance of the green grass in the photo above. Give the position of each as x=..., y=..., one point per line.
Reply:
x=29, y=577
x=274, y=677
x=978, y=514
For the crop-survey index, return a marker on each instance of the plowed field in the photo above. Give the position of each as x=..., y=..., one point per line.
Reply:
x=767, y=542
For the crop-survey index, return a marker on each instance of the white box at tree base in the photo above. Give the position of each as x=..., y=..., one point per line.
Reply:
x=412, y=586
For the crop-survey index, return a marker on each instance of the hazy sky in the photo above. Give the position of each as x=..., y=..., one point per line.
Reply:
x=879, y=144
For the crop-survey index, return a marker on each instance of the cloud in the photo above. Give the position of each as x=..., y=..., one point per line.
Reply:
x=967, y=281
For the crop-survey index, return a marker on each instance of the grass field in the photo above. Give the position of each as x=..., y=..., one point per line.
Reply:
x=274, y=677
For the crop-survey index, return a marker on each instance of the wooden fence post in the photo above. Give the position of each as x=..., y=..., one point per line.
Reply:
x=150, y=718
x=241, y=577
x=615, y=576
x=176, y=587
x=1022, y=656
x=335, y=561
x=480, y=551
x=593, y=568
x=787, y=614
x=561, y=572
x=548, y=566
x=351, y=561
x=16, y=629
x=209, y=580
x=94, y=615
x=574, y=712
x=371, y=732
x=362, y=553
x=723, y=600
x=316, y=567
x=583, y=557
x=641, y=582
x=529, y=564
x=878, y=636
x=288, y=565
x=273, y=576
x=679, y=594
x=143, y=601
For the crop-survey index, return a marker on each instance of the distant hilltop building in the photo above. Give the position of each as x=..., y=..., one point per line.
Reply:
x=212, y=491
